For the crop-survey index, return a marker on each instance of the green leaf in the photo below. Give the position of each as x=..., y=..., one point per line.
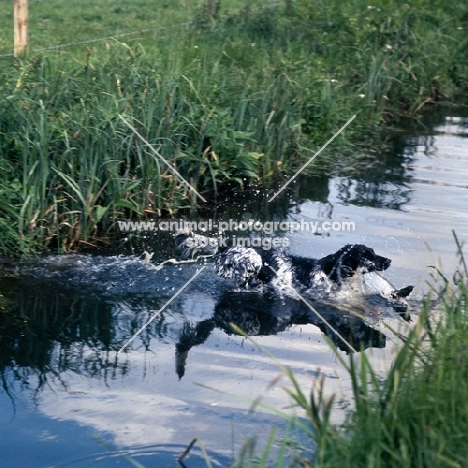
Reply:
x=100, y=212
x=122, y=203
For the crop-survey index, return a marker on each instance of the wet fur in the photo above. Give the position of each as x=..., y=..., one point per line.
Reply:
x=251, y=269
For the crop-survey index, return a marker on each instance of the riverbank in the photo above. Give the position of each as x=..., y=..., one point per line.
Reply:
x=248, y=96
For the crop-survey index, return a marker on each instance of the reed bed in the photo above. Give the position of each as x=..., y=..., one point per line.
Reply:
x=226, y=99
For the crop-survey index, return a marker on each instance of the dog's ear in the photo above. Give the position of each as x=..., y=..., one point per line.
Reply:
x=341, y=264
x=351, y=260
x=348, y=262
x=344, y=270
x=328, y=263
x=337, y=270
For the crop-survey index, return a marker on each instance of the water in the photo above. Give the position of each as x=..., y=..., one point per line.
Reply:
x=69, y=400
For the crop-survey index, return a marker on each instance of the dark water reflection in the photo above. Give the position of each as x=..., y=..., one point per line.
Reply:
x=68, y=398
x=50, y=325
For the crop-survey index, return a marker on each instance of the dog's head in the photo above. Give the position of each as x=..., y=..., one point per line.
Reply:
x=351, y=259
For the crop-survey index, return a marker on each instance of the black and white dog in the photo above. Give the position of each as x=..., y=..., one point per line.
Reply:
x=253, y=270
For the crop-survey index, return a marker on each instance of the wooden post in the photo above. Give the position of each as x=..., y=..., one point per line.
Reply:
x=211, y=7
x=21, y=26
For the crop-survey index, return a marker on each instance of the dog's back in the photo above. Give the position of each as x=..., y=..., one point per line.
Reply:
x=334, y=275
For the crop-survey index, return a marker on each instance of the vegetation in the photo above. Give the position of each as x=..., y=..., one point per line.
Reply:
x=227, y=99
x=416, y=417
x=61, y=22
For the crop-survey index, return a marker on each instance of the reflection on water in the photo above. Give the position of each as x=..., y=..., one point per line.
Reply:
x=258, y=315
x=374, y=194
x=68, y=399
x=53, y=322
x=64, y=318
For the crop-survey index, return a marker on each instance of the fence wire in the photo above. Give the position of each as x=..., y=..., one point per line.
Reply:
x=115, y=36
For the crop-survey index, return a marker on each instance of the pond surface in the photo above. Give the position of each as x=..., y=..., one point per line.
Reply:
x=69, y=399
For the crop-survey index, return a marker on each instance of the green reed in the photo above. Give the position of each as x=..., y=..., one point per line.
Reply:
x=249, y=95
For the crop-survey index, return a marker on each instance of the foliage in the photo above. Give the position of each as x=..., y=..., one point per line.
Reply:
x=240, y=96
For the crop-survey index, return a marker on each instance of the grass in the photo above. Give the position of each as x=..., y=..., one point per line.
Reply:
x=232, y=98
x=61, y=22
x=415, y=417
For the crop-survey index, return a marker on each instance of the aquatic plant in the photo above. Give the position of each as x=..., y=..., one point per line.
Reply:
x=243, y=96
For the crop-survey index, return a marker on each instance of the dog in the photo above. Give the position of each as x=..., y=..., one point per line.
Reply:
x=254, y=270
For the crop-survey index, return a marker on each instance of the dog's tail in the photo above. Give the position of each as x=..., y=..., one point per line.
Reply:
x=191, y=245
